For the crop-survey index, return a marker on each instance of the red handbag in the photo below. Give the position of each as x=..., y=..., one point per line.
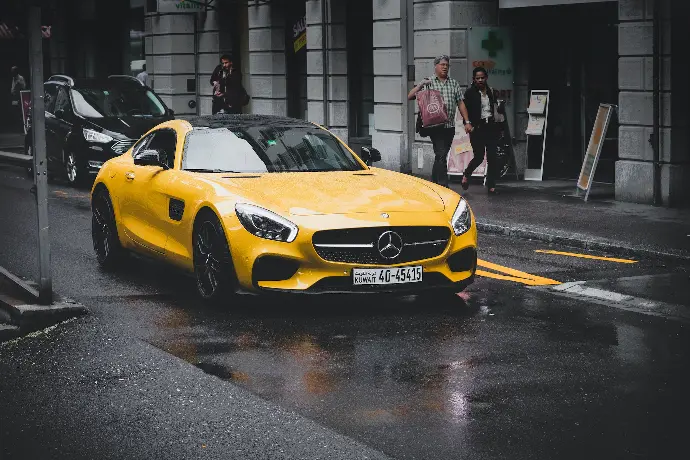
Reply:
x=432, y=108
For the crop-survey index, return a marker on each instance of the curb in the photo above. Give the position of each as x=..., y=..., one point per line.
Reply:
x=583, y=242
x=27, y=318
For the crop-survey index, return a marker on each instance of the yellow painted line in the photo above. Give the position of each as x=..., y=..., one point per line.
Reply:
x=540, y=280
x=497, y=276
x=586, y=256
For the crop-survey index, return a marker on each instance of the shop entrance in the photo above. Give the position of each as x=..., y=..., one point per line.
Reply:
x=573, y=53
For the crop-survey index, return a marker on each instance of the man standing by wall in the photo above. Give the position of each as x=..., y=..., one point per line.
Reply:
x=18, y=84
x=228, y=93
x=477, y=110
x=441, y=137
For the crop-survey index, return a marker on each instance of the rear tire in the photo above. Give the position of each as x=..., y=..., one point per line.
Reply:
x=106, y=243
x=213, y=269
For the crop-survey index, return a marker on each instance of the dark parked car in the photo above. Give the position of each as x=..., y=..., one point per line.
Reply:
x=90, y=121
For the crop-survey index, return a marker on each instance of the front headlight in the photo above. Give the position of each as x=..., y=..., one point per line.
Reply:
x=462, y=218
x=265, y=224
x=94, y=136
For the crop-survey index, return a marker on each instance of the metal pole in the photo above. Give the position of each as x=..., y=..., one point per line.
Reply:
x=656, y=62
x=45, y=285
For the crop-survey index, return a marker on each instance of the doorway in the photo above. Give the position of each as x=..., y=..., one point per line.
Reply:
x=573, y=53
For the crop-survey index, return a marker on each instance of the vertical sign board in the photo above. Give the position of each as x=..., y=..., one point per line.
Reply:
x=589, y=164
x=538, y=111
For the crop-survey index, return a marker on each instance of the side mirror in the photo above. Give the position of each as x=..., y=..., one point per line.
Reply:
x=370, y=155
x=171, y=113
x=151, y=157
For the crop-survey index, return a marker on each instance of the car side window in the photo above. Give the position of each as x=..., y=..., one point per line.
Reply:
x=165, y=140
x=141, y=145
x=49, y=96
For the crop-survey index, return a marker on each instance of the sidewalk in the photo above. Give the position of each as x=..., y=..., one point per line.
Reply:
x=550, y=211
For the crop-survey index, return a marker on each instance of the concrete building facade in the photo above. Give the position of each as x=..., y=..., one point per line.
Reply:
x=348, y=65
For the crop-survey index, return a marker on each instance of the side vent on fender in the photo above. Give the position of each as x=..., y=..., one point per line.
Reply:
x=176, y=209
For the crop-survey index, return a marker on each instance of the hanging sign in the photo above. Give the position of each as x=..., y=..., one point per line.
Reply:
x=589, y=164
x=299, y=34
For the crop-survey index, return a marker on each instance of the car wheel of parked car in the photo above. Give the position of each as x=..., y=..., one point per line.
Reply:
x=213, y=269
x=75, y=174
x=104, y=230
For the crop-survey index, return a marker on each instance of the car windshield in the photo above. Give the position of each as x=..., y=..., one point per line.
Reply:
x=116, y=102
x=265, y=149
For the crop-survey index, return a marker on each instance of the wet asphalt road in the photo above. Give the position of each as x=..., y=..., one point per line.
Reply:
x=502, y=371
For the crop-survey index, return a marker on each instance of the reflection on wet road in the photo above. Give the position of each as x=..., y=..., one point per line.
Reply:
x=510, y=368
x=502, y=371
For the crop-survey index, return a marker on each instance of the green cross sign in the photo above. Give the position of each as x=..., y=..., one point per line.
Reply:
x=492, y=44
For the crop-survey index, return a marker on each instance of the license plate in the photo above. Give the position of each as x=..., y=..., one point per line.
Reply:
x=394, y=275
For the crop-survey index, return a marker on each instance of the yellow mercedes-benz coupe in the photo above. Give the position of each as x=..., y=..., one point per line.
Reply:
x=261, y=203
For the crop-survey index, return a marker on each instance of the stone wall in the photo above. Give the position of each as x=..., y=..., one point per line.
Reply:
x=635, y=168
x=337, y=84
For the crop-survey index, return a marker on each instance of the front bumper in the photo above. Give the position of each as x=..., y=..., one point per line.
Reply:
x=453, y=269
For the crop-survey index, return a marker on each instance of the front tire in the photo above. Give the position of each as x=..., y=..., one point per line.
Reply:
x=106, y=243
x=213, y=269
x=75, y=173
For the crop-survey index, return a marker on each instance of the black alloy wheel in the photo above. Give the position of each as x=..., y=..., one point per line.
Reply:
x=213, y=269
x=104, y=230
x=74, y=171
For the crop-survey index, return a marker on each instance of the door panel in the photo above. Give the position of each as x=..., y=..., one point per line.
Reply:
x=134, y=213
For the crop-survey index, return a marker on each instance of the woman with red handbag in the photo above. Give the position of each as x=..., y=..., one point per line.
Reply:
x=441, y=134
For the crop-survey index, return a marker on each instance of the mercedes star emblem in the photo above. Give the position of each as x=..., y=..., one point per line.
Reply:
x=390, y=245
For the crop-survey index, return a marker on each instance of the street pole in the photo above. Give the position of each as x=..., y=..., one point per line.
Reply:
x=45, y=285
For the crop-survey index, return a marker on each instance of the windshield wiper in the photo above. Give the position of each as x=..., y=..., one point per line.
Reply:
x=202, y=170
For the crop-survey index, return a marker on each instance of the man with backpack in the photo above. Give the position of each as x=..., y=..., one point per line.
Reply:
x=441, y=136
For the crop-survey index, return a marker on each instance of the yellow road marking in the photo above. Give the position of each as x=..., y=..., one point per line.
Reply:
x=516, y=275
x=586, y=256
x=497, y=276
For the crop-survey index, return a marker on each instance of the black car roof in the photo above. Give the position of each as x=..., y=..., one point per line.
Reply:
x=245, y=120
x=93, y=82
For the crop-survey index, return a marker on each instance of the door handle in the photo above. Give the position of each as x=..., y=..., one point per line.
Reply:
x=129, y=175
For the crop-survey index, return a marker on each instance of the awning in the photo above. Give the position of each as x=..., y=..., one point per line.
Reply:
x=525, y=3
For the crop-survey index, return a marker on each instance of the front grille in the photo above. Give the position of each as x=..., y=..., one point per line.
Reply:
x=360, y=245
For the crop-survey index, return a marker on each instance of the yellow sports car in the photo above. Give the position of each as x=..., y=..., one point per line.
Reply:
x=260, y=203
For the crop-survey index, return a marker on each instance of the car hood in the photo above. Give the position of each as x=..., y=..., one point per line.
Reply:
x=131, y=127
x=342, y=192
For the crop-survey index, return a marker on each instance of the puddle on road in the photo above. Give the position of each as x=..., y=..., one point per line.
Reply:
x=379, y=373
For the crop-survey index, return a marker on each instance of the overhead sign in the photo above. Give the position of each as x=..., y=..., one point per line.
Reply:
x=181, y=6
x=589, y=164
x=525, y=3
x=492, y=48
